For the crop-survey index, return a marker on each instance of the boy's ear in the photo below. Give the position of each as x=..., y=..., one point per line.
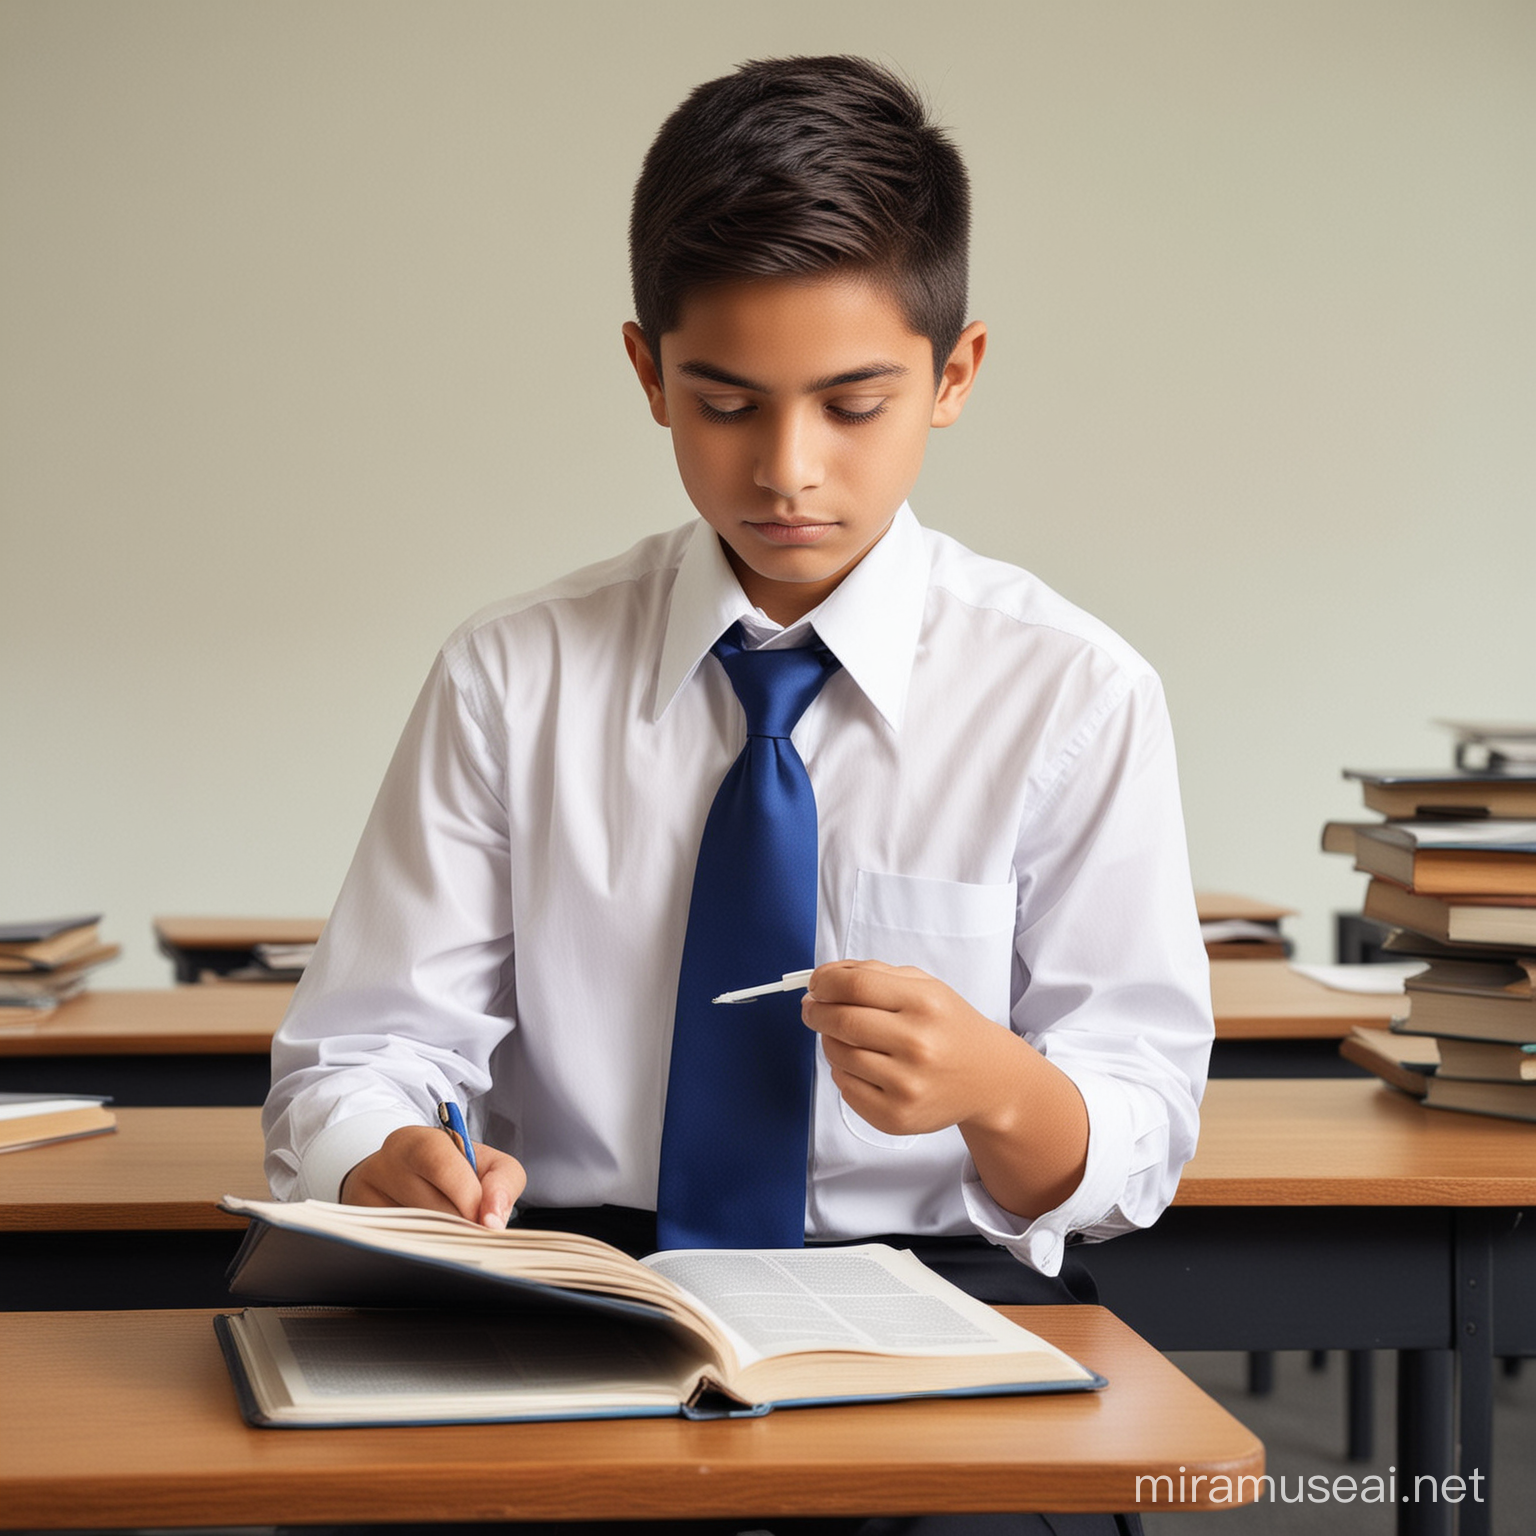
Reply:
x=647, y=370
x=959, y=374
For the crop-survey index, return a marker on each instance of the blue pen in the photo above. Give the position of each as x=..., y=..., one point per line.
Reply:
x=453, y=1123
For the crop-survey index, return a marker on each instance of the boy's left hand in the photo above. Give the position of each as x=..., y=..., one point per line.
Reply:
x=907, y=1052
x=910, y=1055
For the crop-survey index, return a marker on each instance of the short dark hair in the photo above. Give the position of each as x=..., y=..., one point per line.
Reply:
x=797, y=167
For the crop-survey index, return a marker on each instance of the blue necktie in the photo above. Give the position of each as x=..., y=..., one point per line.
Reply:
x=736, y=1132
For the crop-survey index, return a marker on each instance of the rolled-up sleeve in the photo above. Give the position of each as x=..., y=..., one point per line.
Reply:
x=1114, y=984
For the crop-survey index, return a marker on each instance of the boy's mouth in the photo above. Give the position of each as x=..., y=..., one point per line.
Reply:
x=791, y=533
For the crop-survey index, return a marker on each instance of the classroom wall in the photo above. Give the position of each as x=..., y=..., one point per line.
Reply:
x=309, y=346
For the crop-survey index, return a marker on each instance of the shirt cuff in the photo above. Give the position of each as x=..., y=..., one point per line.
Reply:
x=1041, y=1243
x=337, y=1149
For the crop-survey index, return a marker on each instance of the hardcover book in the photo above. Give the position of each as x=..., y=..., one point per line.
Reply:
x=1480, y=920
x=1447, y=792
x=430, y=1318
x=39, y=1119
x=1452, y=858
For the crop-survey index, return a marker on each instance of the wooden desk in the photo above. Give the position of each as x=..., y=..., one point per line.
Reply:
x=130, y=1219
x=1267, y=1000
x=1339, y=1214
x=1215, y=907
x=216, y=1021
x=1317, y=1214
x=183, y=1045
x=149, y=1395
x=1266, y=1142
x=199, y=946
x=1273, y=1022
x=161, y=1170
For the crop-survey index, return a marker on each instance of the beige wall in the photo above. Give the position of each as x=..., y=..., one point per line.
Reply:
x=310, y=346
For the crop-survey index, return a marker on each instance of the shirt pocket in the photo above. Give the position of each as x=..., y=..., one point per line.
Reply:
x=959, y=932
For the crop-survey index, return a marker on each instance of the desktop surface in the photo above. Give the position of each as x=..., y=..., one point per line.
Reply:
x=228, y=1019
x=149, y=1394
x=1267, y=1000
x=1350, y=1142
x=162, y=1169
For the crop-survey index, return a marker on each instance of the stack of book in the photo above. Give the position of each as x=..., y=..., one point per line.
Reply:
x=42, y=963
x=1452, y=866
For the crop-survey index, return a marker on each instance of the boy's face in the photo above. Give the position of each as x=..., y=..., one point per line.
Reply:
x=799, y=411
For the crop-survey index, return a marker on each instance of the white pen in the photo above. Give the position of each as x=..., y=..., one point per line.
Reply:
x=786, y=983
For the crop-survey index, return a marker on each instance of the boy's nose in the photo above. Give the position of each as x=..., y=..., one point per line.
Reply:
x=787, y=461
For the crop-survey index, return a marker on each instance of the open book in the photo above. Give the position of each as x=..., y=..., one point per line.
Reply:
x=430, y=1318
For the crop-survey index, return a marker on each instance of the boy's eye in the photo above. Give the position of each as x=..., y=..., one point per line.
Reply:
x=857, y=407
x=846, y=408
x=724, y=407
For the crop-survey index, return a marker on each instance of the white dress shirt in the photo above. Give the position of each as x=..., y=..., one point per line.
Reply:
x=998, y=804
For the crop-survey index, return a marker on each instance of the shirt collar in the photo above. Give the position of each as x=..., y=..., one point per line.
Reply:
x=871, y=621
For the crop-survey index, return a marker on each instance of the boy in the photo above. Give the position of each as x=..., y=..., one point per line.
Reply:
x=1010, y=1017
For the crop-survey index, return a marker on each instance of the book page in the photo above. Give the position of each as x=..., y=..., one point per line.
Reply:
x=867, y=1298
x=326, y=1364
x=15, y=1106
x=1381, y=980
x=566, y=1261
x=1492, y=832
x=555, y=1258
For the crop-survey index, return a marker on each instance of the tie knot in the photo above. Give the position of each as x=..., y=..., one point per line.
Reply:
x=775, y=687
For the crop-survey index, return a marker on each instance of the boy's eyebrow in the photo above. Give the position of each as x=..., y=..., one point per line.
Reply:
x=697, y=369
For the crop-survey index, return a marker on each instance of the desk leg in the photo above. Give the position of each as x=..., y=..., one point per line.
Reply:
x=1361, y=1396
x=1425, y=1434
x=1474, y=1356
x=1261, y=1372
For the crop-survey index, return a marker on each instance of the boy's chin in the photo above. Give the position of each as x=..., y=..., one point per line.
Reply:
x=795, y=567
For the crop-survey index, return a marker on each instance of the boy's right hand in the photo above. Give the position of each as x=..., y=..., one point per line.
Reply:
x=421, y=1166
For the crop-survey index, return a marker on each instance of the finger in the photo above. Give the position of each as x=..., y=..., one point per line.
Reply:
x=886, y=1109
x=381, y=1180
x=865, y=983
x=502, y=1180
x=850, y=1063
x=868, y=1029
x=833, y=978
x=877, y=1105
x=438, y=1161
x=416, y=1166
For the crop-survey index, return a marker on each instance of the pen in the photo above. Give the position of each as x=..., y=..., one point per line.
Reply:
x=788, y=982
x=453, y=1123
